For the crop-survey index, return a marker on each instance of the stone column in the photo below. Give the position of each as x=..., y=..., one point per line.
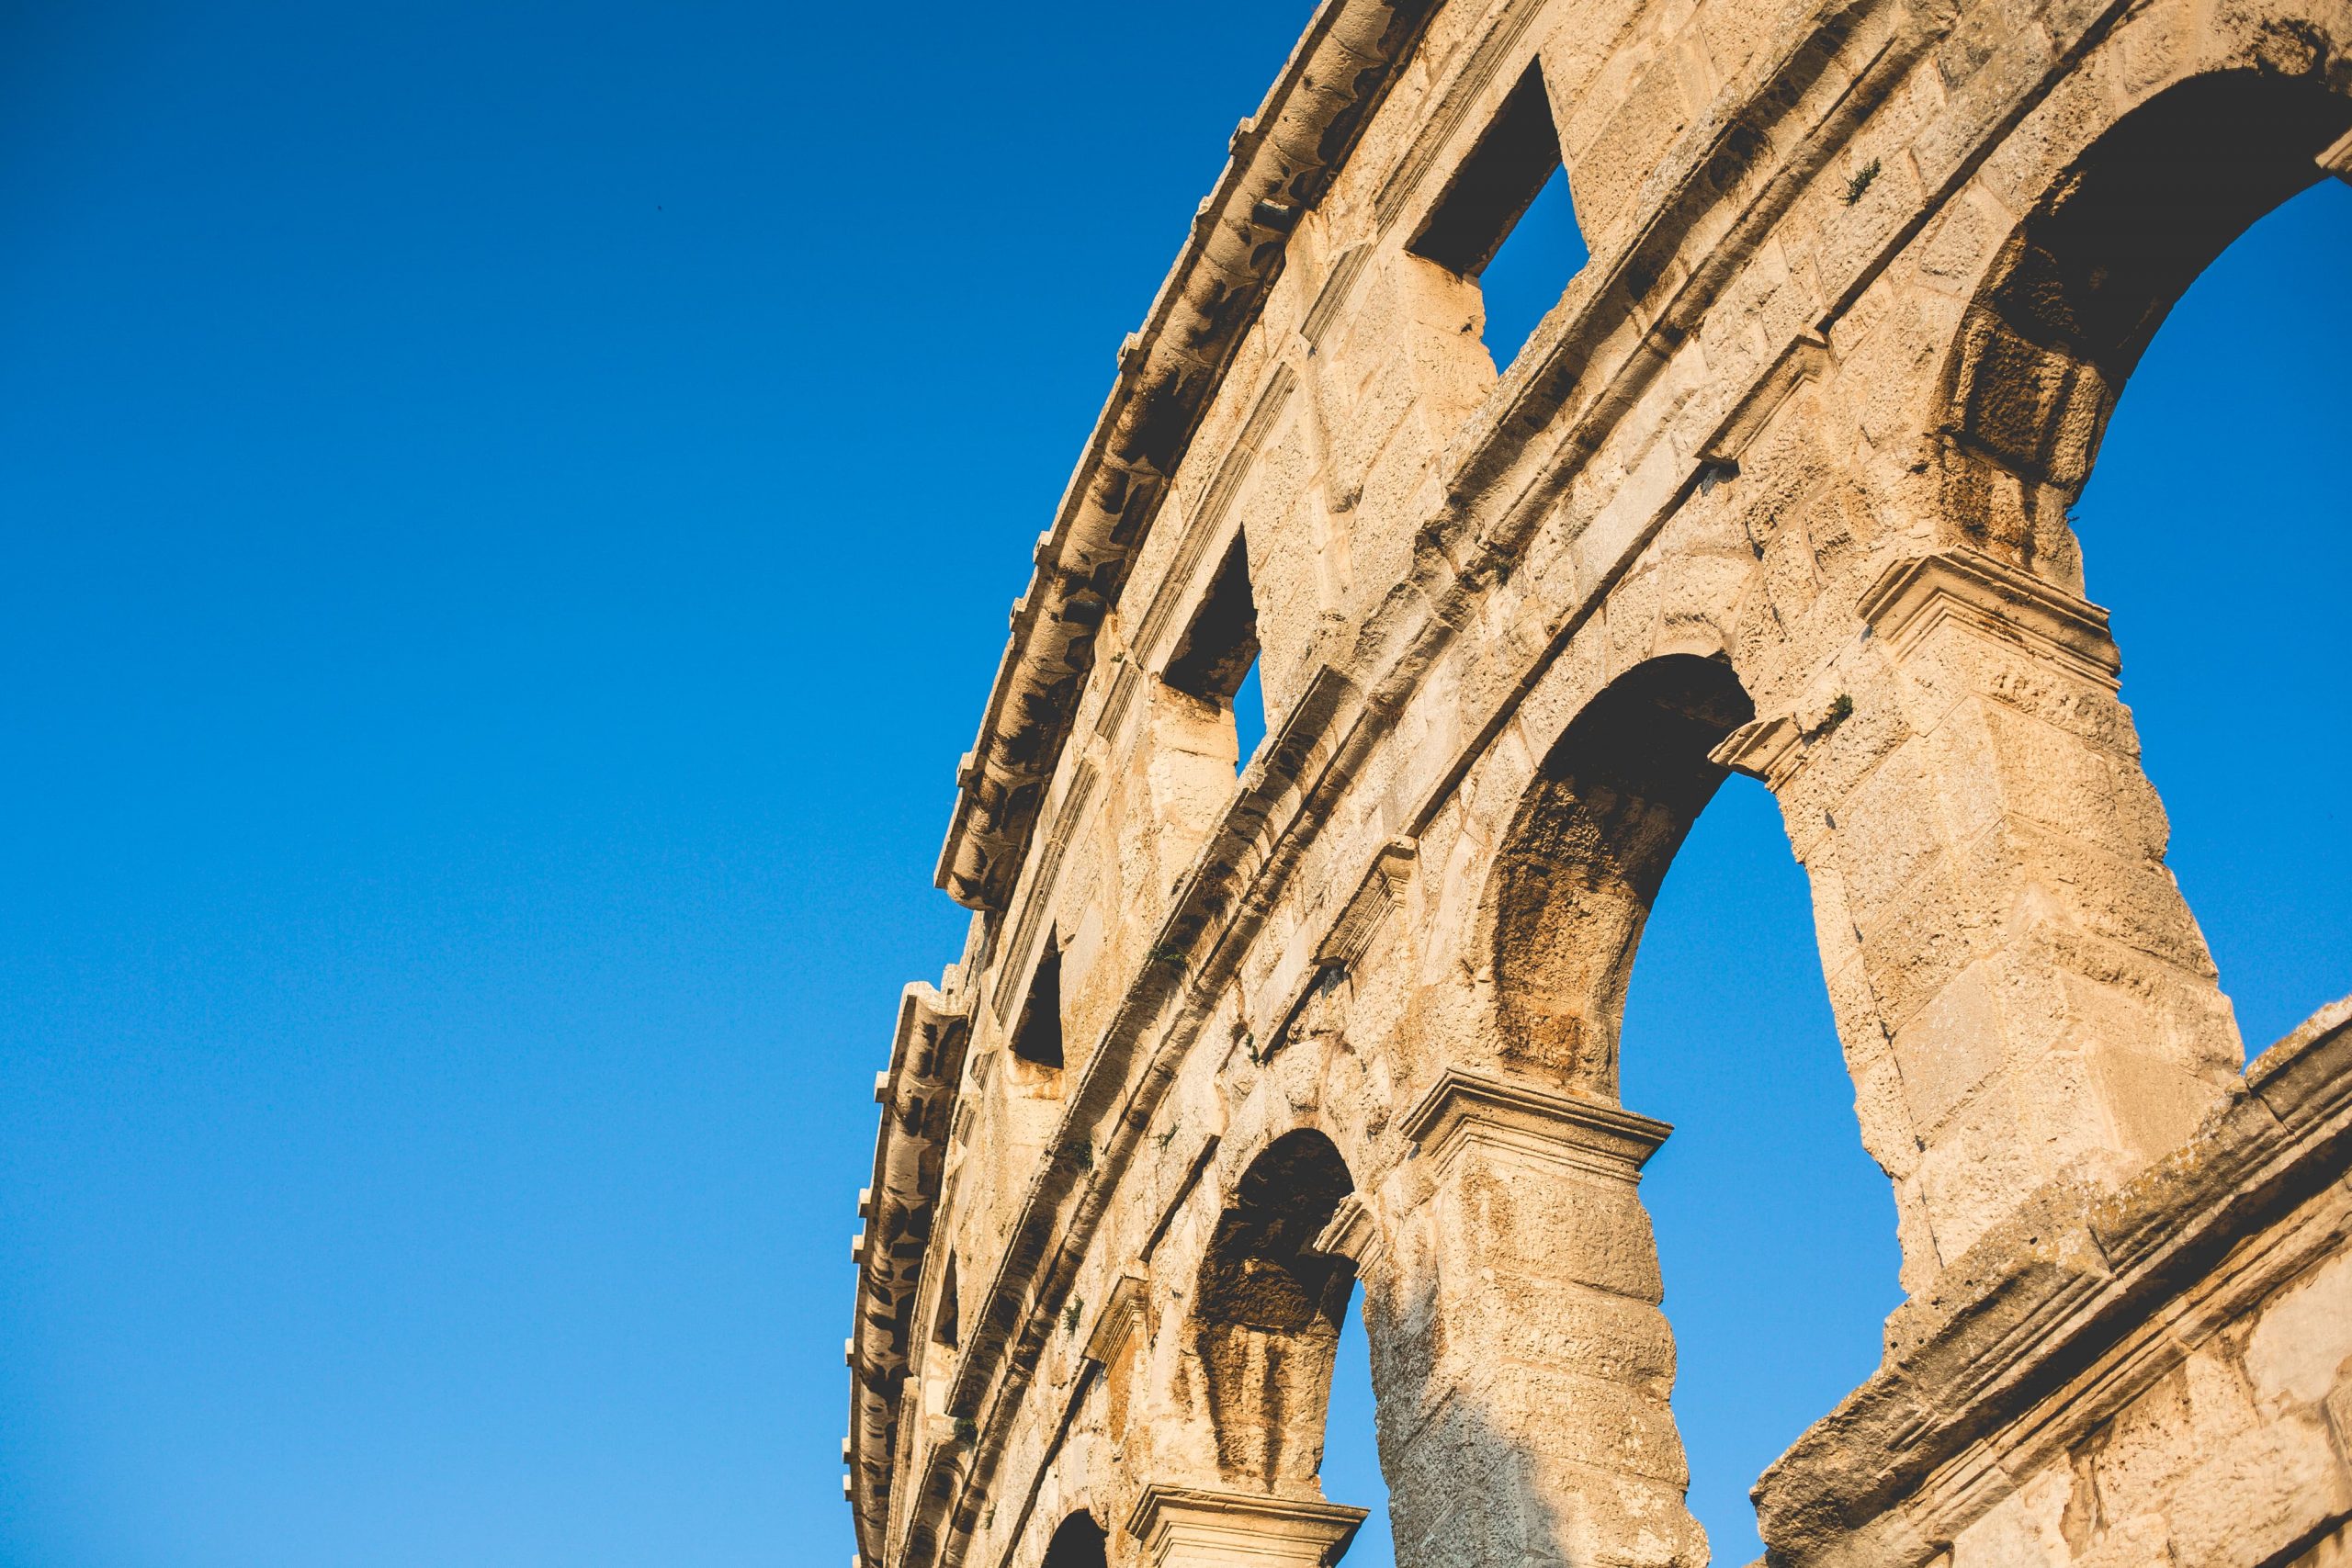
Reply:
x=2021, y=991
x=1184, y=1529
x=1522, y=1363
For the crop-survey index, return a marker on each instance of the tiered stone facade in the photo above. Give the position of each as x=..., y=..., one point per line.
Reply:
x=1780, y=485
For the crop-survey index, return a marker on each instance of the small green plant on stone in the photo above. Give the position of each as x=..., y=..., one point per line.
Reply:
x=1072, y=1313
x=1861, y=182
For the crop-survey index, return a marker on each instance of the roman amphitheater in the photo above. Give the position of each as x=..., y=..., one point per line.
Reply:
x=1780, y=485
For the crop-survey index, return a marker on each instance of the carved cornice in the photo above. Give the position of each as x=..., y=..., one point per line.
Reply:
x=1467, y=1110
x=1283, y=161
x=918, y=1095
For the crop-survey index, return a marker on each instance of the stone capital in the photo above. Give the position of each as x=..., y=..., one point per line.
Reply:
x=1180, y=1528
x=1912, y=599
x=1463, y=1111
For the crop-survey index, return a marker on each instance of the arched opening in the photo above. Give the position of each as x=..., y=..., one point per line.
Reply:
x=1078, y=1543
x=1653, y=933
x=2217, y=529
x=1775, y=1232
x=2081, y=287
x=1266, y=1315
x=1586, y=853
x=2222, y=518
x=1351, y=1471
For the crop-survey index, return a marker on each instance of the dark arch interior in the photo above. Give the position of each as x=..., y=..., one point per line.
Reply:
x=1267, y=1313
x=1600, y=825
x=1078, y=1544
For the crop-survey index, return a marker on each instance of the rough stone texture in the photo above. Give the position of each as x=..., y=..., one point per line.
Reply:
x=1780, y=486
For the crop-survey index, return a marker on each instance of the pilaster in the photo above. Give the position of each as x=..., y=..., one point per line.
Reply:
x=1536, y=1429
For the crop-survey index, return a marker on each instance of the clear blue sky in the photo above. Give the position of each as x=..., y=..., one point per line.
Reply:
x=509, y=514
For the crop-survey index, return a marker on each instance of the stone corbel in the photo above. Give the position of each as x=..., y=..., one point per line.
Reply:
x=1806, y=360
x=1373, y=897
x=1770, y=749
x=1184, y=1528
x=1354, y=1235
x=1989, y=598
x=2337, y=159
x=1119, y=1318
x=1463, y=1111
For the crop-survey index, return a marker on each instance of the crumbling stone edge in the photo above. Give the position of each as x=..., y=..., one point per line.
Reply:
x=2044, y=1298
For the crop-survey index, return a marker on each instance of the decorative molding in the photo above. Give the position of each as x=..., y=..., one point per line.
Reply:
x=1914, y=599
x=1336, y=291
x=1114, y=712
x=1181, y=1528
x=917, y=1093
x=1463, y=1111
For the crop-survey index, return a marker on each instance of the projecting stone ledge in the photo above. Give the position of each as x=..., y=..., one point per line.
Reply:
x=1186, y=1529
x=2196, y=1294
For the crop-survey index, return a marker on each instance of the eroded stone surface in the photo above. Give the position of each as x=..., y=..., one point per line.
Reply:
x=1780, y=486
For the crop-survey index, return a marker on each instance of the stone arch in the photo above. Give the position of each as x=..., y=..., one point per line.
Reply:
x=1265, y=1318
x=1583, y=859
x=2074, y=296
x=2022, y=994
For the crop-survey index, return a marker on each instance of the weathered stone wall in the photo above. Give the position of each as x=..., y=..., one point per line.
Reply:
x=1780, y=485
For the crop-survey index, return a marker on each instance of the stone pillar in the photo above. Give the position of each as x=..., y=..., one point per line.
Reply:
x=1184, y=1528
x=1522, y=1363
x=2021, y=991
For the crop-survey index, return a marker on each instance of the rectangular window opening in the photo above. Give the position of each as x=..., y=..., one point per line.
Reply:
x=1038, y=1038
x=1248, y=717
x=1216, y=660
x=1508, y=222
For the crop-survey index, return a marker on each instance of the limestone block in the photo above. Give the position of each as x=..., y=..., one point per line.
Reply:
x=1949, y=1048
x=2257, y=1497
x=2024, y=1531
x=2152, y=1447
x=2303, y=1337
